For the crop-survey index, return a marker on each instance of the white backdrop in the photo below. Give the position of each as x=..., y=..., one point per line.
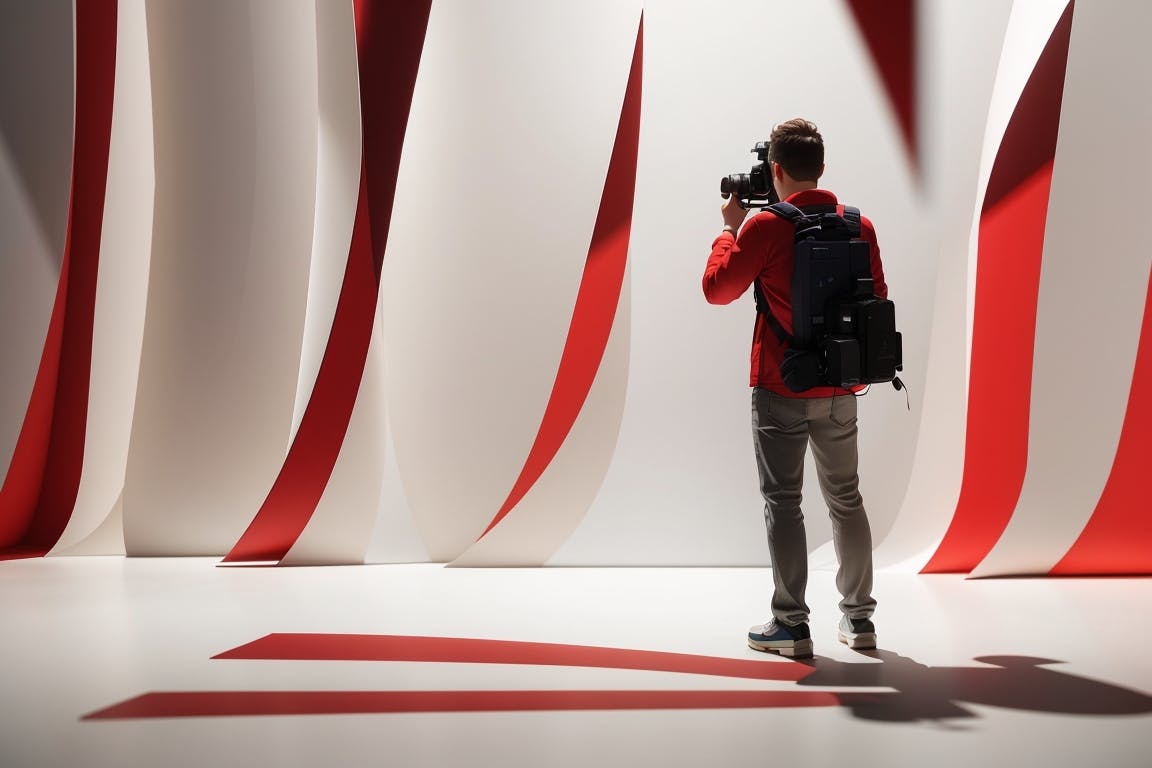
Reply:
x=232, y=187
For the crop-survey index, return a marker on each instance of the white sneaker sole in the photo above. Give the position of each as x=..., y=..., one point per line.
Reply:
x=863, y=641
x=789, y=648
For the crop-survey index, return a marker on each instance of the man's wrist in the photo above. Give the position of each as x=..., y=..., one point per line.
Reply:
x=732, y=229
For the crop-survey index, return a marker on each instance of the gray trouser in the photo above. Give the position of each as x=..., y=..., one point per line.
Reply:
x=783, y=427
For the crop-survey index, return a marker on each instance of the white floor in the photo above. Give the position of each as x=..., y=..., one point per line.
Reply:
x=1024, y=672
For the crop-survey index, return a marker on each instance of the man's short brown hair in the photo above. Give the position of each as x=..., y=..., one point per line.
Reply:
x=798, y=147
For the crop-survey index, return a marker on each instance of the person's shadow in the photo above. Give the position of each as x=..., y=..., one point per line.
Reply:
x=939, y=693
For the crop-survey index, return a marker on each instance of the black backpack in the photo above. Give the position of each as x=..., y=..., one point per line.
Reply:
x=843, y=334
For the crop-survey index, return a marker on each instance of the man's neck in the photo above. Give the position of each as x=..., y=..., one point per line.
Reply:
x=799, y=186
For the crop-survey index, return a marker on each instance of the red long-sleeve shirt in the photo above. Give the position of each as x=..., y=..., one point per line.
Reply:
x=764, y=251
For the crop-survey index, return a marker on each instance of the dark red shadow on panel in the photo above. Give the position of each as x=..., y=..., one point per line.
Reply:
x=39, y=491
x=597, y=297
x=1118, y=537
x=332, y=647
x=1011, y=245
x=889, y=29
x=235, y=703
x=390, y=40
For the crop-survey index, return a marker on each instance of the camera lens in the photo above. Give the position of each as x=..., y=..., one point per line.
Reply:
x=735, y=184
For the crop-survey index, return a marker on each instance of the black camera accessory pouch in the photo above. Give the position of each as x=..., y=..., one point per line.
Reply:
x=801, y=369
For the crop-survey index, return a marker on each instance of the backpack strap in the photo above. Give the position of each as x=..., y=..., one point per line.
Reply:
x=793, y=214
x=787, y=211
x=802, y=223
x=851, y=216
x=814, y=217
x=763, y=308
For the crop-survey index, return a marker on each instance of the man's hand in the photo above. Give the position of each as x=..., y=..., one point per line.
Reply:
x=733, y=213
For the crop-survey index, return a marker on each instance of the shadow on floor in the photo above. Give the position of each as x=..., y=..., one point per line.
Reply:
x=938, y=693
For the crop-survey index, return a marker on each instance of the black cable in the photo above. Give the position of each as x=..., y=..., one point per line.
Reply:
x=899, y=385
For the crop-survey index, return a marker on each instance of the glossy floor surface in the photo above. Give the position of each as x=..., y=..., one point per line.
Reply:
x=178, y=662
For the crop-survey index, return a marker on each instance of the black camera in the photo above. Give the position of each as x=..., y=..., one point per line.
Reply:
x=754, y=189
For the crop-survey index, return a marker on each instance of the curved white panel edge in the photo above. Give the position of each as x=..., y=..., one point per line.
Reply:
x=1030, y=25
x=341, y=527
x=555, y=506
x=234, y=94
x=1093, y=285
x=121, y=294
x=960, y=53
x=339, y=150
x=505, y=157
x=682, y=488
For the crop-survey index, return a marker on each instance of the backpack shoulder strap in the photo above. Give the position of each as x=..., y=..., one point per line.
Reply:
x=786, y=211
x=851, y=216
x=796, y=216
x=763, y=308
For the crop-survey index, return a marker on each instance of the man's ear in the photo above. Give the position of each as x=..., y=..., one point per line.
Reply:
x=777, y=171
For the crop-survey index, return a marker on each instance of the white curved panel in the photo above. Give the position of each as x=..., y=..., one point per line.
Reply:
x=505, y=157
x=682, y=488
x=340, y=529
x=339, y=150
x=1029, y=27
x=121, y=291
x=555, y=506
x=395, y=537
x=1093, y=284
x=234, y=95
x=961, y=46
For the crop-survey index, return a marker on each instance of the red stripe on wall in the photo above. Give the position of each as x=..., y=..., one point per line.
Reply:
x=239, y=703
x=597, y=297
x=39, y=491
x=1011, y=245
x=390, y=40
x=1118, y=537
x=305, y=472
x=889, y=29
x=339, y=647
x=999, y=395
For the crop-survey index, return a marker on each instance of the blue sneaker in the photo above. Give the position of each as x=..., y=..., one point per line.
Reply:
x=857, y=633
x=776, y=637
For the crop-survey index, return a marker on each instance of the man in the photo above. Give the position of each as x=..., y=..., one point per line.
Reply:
x=785, y=422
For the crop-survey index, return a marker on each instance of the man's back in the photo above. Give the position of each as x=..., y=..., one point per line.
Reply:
x=764, y=251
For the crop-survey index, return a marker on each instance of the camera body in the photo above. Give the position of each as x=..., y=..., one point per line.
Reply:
x=754, y=189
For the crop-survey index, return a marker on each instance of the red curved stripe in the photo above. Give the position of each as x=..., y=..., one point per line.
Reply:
x=1118, y=537
x=597, y=298
x=889, y=29
x=252, y=703
x=39, y=492
x=301, y=646
x=390, y=39
x=1011, y=245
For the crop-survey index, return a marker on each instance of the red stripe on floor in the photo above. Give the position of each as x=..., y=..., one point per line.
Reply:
x=240, y=703
x=333, y=647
